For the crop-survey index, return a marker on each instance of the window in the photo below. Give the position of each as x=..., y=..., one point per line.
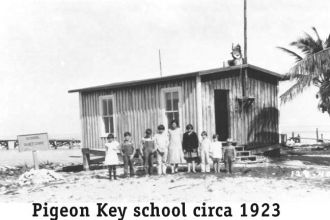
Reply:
x=107, y=114
x=171, y=104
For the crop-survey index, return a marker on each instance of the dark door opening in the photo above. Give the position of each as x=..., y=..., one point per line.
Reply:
x=221, y=107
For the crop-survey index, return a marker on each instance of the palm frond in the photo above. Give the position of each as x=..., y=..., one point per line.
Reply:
x=319, y=40
x=307, y=45
x=313, y=65
x=327, y=42
x=324, y=96
x=292, y=53
x=302, y=83
x=308, y=71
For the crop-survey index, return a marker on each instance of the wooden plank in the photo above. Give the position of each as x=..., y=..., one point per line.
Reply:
x=82, y=119
x=199, y=104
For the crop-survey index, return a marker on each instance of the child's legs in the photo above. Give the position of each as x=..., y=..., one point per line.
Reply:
x=207, y=158
x=114, y=171
x=203, y=157
x=226, y=163
x=159, y=163
x=131, y=168
x=215, y=165
x=230, y=165
x=164, y=165
x=150, y=162
x=193, y=166
x=145, y=160
x=126, y=164
x=109, y=169
x=176, y=166
x=189, y=167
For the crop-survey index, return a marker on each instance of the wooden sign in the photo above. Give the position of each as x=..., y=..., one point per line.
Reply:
x=33, y=142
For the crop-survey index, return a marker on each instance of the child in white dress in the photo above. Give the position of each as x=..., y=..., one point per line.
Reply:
x=204, y=149
x=175, y=152
x=216, y=153
x=112, y=148
x=161, y=143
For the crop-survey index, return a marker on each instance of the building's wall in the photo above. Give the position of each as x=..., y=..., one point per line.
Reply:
x=263, y=116
x=260, y=124
x=226, y=82
x=137, y=108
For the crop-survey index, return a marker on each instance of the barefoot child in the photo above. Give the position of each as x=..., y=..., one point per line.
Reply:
x=127, y=150
x=112, y=148
x=204, y=149
x=216, y=153
x=229, y=155
x=161, y=144
x=148, y=150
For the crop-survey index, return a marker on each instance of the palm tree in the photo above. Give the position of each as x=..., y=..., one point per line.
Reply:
x=312, y=67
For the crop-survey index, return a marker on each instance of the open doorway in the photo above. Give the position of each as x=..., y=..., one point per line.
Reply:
x=221, y=108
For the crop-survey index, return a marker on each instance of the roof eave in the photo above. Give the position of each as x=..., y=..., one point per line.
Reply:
x=179, y=76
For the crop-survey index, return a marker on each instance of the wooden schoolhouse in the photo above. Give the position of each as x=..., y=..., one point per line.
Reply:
x=240, y=102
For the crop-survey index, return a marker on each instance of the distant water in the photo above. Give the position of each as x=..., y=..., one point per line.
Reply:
x=306, y=132
x=50, y=136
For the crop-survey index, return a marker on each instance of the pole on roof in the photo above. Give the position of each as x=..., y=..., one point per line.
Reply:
x=245, y=34
x=160, y=63
x=244, y=81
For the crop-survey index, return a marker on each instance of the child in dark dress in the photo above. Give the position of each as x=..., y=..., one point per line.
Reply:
x=190, y=147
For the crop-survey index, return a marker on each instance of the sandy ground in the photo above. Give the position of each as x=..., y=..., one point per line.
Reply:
x=280, y=180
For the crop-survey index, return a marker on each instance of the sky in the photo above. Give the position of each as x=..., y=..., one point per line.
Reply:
x=48, y=47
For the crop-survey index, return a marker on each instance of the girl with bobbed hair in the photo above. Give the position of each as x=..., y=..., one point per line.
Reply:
x=190, y=147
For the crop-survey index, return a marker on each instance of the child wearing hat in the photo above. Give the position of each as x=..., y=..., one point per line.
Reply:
x=112, y=149
x=229, y=155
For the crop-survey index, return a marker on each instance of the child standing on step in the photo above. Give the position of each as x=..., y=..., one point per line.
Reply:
x=112, y=149
x=127, y=150
x=216, y=152
x=229, y=155
x=204, y=149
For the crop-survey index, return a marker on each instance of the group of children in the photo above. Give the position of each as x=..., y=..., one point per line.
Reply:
x=169, y=148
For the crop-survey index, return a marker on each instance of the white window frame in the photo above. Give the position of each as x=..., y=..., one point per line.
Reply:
x=163, y=104
x=101, y=123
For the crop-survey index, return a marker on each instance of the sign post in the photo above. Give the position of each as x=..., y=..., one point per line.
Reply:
x=34, y=143
x=35, y=159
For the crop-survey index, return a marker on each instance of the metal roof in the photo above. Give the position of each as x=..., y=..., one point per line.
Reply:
x=175, y=77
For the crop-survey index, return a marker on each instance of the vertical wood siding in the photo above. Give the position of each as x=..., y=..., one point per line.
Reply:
x=232, y=84
x=259, y=124
x=137, y=108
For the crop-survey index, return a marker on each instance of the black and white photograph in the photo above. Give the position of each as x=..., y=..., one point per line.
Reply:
x=177, y=109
